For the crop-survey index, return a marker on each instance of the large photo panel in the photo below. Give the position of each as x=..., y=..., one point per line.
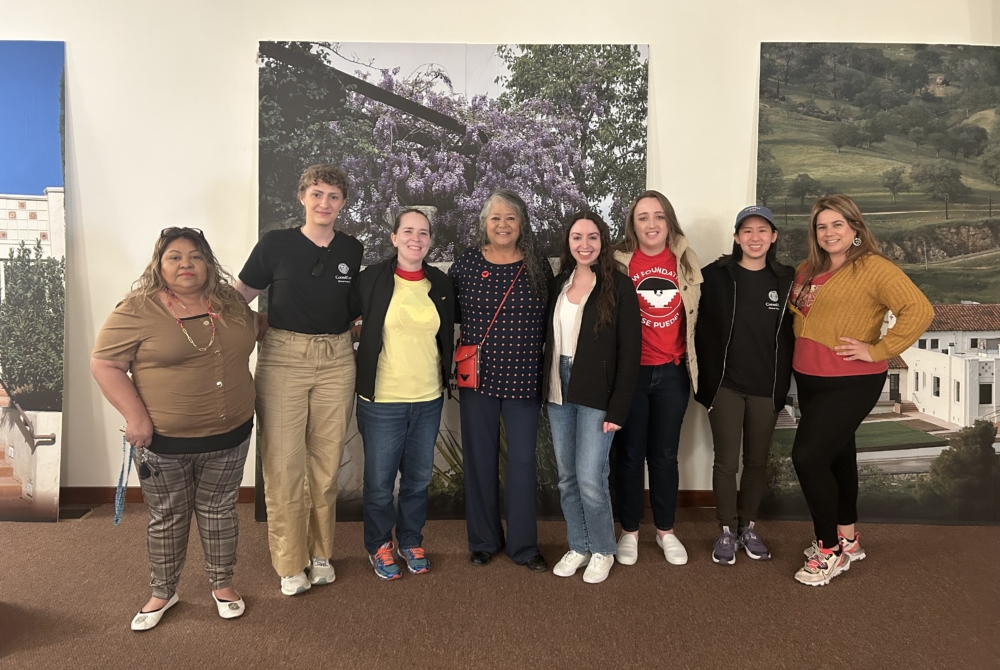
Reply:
x=912, y=133
x=440, y=126
x=32, y=276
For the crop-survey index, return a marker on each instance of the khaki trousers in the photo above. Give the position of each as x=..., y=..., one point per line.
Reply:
x=305, y=398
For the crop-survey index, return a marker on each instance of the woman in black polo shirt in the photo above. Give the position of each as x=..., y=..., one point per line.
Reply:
x=305, y=376
x=509, y=377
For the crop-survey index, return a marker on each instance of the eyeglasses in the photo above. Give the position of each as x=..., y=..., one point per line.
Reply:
x=174, y=230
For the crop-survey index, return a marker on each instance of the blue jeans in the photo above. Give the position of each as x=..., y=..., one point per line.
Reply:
x=651, y=436
x=399, y=438
x=581, y=447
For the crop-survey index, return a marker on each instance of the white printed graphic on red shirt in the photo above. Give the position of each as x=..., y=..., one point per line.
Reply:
x=659, y=298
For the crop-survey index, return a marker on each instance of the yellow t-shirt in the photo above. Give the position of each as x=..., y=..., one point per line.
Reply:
x=409, y=365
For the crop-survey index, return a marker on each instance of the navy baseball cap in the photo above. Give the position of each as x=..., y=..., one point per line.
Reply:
x=755, y=210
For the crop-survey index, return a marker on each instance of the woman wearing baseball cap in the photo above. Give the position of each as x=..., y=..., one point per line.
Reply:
x=744, y=340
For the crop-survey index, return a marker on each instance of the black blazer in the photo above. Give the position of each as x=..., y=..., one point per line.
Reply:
x=371, y=292
x=715, y=328
x=606, y=364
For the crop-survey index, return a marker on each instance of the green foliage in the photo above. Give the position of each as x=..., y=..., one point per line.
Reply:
x=965, y=476
x=770, y=181
x=845, y=135
x=894, y=180
x=805, y=186
x=315, y=127
x=968, y=139
x=939, y=180
x=990, y=165
x=32, y=328
x=605, y=88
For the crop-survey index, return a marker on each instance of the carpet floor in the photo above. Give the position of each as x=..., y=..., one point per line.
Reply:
x=926, y=597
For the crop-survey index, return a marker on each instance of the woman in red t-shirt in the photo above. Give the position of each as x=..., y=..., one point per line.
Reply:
x=667, y=279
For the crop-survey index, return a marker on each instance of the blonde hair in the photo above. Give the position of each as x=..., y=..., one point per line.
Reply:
x=219, y=291
x=818, y=260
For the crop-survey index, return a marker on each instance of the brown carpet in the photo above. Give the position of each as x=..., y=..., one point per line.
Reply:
x=926, y=597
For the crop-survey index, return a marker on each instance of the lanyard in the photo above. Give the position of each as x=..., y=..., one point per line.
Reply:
x=123, y=480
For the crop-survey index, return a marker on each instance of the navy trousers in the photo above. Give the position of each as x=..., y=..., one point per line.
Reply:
x=481, y=462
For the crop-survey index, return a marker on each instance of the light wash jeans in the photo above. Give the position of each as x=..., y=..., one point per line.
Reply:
x=581, y=447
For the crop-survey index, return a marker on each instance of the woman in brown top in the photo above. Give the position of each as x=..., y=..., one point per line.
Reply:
x=185, y=335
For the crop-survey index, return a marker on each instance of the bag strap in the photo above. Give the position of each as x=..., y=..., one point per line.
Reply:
x=483, y=341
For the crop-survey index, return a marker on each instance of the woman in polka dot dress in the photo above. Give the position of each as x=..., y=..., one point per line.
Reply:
x=509, y=378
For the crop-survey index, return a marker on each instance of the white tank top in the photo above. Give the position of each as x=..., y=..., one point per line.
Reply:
x=567, y=322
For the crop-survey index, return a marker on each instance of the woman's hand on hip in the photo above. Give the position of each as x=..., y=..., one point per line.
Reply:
x=139, y=433
x=854, y=350
x=611, y=427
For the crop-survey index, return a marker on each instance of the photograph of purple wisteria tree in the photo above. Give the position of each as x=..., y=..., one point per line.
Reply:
x=442, y=125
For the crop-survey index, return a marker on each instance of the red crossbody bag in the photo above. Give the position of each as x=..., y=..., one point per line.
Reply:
x=467, y=355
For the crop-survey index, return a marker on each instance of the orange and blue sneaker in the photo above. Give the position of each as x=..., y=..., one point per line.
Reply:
x=416, y=561
x=385, y=566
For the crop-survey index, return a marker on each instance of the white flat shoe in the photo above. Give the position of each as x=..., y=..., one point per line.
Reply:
x=673, y=550
x=229, y=609
x=147, y=620
x=628, y=549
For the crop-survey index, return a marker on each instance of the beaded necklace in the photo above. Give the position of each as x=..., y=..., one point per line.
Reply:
x=211, y=315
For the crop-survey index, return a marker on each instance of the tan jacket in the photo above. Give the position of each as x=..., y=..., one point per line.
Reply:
x=689, y=277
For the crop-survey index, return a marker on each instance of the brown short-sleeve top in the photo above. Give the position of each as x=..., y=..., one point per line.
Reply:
x=188, y=393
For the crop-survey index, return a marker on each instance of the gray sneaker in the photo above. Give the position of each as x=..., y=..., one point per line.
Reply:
x=724, y=551
x=751, y=543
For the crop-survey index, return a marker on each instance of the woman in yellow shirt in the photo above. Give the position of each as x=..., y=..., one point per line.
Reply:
x=404, y=356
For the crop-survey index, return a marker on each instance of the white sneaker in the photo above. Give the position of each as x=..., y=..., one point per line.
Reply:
x=296, y=584
x=320, y=571
x=598, y=569
x=673, y=550
x=146, y=620
x=628, y=549
x=821, y=567
x=570, y=563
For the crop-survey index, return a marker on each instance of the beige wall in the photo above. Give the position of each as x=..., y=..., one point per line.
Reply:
x=161, y=125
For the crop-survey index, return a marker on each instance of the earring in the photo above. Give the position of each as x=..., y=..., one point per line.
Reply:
x=857, y=241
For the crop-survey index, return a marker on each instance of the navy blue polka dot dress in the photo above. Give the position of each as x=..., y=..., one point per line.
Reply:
x=511, y=360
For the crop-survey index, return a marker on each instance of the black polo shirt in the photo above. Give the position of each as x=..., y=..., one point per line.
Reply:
x=284, y=260
x=751, y=354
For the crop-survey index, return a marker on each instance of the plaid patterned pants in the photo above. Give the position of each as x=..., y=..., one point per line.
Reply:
x=207, y=484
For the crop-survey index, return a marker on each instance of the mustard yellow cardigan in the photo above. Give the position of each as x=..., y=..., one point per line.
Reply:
x=853, y=303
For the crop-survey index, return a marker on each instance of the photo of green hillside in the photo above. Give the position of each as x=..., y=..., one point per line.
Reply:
x=911, y=132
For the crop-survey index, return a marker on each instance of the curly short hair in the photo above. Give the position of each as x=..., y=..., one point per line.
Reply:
x=325, y=174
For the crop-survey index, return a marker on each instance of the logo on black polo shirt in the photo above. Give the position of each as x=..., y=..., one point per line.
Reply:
x=344, y=268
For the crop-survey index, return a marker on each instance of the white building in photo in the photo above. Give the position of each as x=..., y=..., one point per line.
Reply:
x=31, y=218
x=953, y=366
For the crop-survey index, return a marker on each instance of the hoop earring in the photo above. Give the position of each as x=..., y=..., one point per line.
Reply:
x=857, y=241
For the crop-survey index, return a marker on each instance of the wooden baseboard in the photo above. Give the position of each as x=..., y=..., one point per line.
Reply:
x=102, y=495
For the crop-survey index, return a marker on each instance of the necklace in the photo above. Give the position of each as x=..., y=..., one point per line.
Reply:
x=211, y=315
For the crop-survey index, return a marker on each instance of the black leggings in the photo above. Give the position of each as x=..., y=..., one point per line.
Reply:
x=824, y=453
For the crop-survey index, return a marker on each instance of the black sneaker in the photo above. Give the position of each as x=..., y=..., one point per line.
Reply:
x=751, y=543
x=724, y=551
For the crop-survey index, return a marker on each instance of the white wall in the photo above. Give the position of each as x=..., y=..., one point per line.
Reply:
x=162, y=117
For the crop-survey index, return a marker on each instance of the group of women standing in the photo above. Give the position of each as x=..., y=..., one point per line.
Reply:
x=611, y=345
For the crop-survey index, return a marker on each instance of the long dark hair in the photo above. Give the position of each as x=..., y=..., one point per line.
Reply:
x=631, y=242
x=533, y=258
x=605, y=266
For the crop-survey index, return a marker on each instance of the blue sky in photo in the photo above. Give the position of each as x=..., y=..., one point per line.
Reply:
x=30, y=159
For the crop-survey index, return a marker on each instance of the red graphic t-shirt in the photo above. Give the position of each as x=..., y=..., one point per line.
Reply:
x=660, y=306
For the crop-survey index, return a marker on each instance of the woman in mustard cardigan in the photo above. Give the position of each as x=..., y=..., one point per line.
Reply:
x=840, y=298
